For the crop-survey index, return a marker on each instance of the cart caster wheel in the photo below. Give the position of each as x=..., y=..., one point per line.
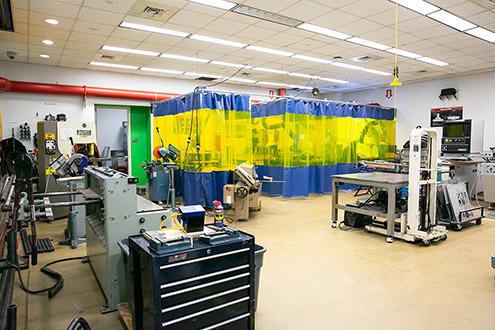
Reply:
x=444, y=238
x=457, y=227
x=427, y=243
x=334, y=225
x=478, y=222
x=389, y=240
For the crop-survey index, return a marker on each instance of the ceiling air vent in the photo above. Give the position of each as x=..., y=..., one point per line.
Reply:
x=364, y=59
x=266, y=15
x=206, y=78
x=107, y=57
x=153, y=11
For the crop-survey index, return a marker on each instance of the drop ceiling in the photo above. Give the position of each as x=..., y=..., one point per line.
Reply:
x=85, y=26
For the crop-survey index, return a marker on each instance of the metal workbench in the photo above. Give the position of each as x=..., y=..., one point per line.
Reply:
x=388, y=181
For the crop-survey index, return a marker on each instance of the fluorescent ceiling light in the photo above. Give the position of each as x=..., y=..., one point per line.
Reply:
x=162, y=70
x=112, y=65
x=368, y=43
x=256, y=68
x=338, y=81
x=47, y=42
x=247, y=81
x=199, y=74
x=419, y=6
x=232, y=65
x=227, y=5
x=432, y=61
x=452, y=20
x=217, y=41
x=267, y=16
x=51, y=21
x=155, y=29
x=311, y=59
x=347, y=66
x=269, y=83
x=184, y=58
x=130, y=51
x=324, y=31
x=403, y=53
x=269, y=51
x=44, y=56
x=299, y=87
x=482, y=34
x=378, y=72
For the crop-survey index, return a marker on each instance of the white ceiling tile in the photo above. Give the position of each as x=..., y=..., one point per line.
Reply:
x=486, y=17
x=305, y=10
x=99, y=16
x=191, y=19
x=417, y=24
x=20, y=4
x=118, y=42
x=82, y=46
x=47, y=32
x=20, y=15
x=256, y=33
x=336, y=3
x=360, y=26
x=378, y=35
x=439, y=31
x=388, y=17
x=283, y=39
x=334, y=19
x=445, y=3
x=165, y=40
x=120, y=6
x=21, y=28
x=86, y=37
x=73, y=2
x=306, y=45
x=367, y=8
x=465, y=9
x=225, y=26
x=203, y=10
x=94, y=28
x=52, y=7
x=130, y=34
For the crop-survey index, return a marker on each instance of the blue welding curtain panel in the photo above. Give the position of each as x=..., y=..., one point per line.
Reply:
x=213, y=134
x=303, y=143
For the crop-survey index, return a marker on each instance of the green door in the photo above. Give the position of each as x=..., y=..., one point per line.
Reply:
x=140, y=143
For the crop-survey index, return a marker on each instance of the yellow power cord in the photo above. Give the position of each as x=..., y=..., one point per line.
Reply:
x=174, y=219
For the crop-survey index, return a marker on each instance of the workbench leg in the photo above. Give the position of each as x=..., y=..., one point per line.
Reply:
x=390, y=214
x=335, y=201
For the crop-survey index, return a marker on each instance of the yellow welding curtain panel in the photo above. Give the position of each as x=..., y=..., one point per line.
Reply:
x=297, y=142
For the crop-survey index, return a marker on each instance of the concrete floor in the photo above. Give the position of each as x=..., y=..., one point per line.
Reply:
x=315, y=277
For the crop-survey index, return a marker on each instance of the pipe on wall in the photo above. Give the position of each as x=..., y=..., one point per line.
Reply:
x=7, y=85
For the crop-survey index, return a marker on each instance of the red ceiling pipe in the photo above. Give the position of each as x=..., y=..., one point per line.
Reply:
x=42, y=88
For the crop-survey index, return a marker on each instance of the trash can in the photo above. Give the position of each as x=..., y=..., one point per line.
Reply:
x=259, y=251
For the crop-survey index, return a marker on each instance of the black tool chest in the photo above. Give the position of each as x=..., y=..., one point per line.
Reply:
x=203, y=286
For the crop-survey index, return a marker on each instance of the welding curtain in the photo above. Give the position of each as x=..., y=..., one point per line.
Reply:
x=213, y=133
x=303, y=143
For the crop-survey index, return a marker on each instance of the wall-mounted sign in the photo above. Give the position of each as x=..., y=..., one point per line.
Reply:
x=388, y=93
x=439, y=115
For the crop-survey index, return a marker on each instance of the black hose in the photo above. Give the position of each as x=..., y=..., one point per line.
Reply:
x=52, y=290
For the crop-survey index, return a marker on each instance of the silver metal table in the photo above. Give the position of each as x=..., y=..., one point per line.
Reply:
x=388, y=181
